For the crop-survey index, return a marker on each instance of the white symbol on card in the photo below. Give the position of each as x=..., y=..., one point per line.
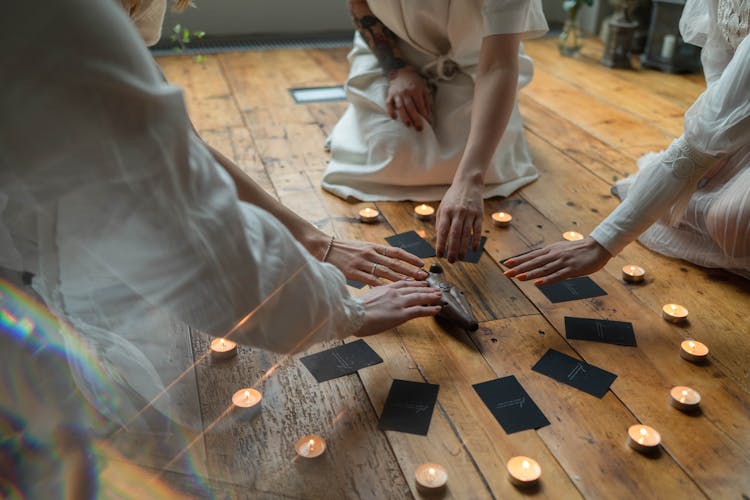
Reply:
x=599, y=330
x=571, y=289
x=413, y=406
x=342, y=363
x=575, y=371
x=514, y=402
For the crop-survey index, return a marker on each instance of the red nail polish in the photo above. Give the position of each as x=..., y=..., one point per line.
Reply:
x=522, y=276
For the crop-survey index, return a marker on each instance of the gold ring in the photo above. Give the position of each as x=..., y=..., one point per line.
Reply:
x=374, y=266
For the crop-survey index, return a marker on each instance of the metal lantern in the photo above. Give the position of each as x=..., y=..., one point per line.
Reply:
x=665, y=49
x=620, y=32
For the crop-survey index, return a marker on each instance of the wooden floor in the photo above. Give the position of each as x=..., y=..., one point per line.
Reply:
x=586, y=126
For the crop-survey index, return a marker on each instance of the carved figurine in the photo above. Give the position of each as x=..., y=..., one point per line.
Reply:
x=456, y=309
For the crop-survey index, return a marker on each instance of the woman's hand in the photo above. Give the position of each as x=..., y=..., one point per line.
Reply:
x=559, y=261
x=368, y=262
x=408, y=97
x=388, y=306
x=459, y=220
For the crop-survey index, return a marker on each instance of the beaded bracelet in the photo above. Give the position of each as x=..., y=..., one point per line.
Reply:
x=328, y=249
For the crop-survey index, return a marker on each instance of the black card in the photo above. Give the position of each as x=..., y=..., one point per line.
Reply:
x=600, y=330
x=412, y=243
x=471, y=255
x=409, y=407
x=575, y=373
x=355, y=284
x=511, y=405
x=572, y=289
x=341, y=360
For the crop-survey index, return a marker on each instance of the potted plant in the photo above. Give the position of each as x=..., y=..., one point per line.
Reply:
x=569, y=42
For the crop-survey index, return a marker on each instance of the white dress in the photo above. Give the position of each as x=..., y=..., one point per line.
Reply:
x=376, y=158
x=125, y=219
x=692, y=201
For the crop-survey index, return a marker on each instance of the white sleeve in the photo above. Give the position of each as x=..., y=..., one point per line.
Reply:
x=116, y=206
x=514, y=16
x=716, y=125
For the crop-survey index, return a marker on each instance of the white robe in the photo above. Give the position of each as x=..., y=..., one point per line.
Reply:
x=693, y=200
x=376, y=158
x=124, y=217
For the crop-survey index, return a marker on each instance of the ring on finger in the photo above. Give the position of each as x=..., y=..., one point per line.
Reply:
x=374, y=267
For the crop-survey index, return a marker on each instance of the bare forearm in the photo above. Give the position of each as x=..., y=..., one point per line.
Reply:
x=314, y=240
x=382, y=41
x=494, y=98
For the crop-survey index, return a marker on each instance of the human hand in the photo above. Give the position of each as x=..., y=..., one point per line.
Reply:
x=459, y=220
x=409, y=98
x=366, y=262
x=559, y=261
x=390, y=305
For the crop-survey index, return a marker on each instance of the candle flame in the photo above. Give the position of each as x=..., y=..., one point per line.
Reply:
x=222, y=342
x=501, y=214
x=691, y=344
x=247, y=395
x=431, y=472
x=310, y=444
x=525, y=464
x=423, y=206
x=644, y=432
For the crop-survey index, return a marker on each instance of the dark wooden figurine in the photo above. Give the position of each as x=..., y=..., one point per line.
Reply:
x=456, y=309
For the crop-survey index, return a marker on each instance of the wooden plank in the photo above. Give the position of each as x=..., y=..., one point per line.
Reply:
x=208, y=97
x=579, y=200
x=703, y=446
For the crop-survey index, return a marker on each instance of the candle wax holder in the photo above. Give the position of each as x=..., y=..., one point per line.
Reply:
x=643, y=438
x=310, y=446
x=684, y=398
x=424, y=212
x=369, y=215
x=247, y=403
x=431, y=478
x=223, y=349
x=572, y=236
x=501, y=219
x=674, y=313
x=693, y=351
x=523, y=471
x=633, y=274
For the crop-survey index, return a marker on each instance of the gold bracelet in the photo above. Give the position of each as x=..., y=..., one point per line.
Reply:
x=328, y=249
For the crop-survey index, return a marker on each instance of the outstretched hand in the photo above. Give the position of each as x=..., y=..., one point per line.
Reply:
x=459, y=220
x=368, y=262
x=388, y=306
x=559, y=261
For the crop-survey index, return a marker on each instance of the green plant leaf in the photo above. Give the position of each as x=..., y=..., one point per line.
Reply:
x=177, y=28
x=199, y=34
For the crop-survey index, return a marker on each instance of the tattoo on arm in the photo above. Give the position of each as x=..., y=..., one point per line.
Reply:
x=382, y=41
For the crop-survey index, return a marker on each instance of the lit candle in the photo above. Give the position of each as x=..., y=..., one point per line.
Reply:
x=310, y=446
x=523, y=471
x=693, y=351
x=246, y=403
x=674, y=313
x=643, y=438
x=424, y=212
x=369, y=215
x=633, y=274
x=223, y=349
x=501, y=219
x=667, y=46
x=572, y=236
x=684, y=398
x=431, y=477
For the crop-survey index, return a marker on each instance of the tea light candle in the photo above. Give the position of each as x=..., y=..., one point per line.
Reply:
x=310, y=446
x=674, y=313
x=501, y=219
x=572, y=236
x=693, y=351
x=523, y=471
x=643, y=438
x=633, y=274
x=684, y=398
x=431, y=477
x=424, y=212
x=369, y=215
x=223, y=348
x=246, y=402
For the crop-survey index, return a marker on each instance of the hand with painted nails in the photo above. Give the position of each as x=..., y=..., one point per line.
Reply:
x=388, y=306
x=370, y=263
x=559, y=261
x=409, y=98
x=459, y=220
